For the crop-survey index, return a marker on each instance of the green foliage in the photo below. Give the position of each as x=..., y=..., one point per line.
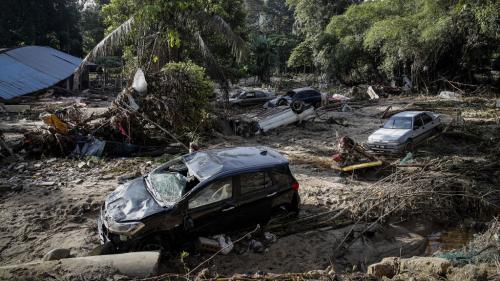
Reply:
x=179, y=96
x=271, y=37
x=423, y=38
x=204, y=31
x=264, y=55
x=311, y=18
x=91, y=26
x=32, y=22
x=301, y=55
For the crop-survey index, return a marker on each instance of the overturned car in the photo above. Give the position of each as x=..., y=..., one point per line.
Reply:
x=202, y=193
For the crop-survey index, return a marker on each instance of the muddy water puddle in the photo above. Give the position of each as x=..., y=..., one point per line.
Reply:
x=441, y=237
x=448, y=239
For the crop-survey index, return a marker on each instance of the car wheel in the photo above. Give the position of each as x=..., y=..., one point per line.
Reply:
x=153, y=243
x=282, y=102
x=317, y=104
x=409, y=146
x=105, y=249
x=297, y=106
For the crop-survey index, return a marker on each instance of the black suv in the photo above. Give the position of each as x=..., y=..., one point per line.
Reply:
x=202, y=193
x=306, y=95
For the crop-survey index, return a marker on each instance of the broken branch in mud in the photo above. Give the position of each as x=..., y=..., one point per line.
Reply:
x=419, y=191
x=187, y=276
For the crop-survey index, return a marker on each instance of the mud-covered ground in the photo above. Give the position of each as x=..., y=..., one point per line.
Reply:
x=53, y=203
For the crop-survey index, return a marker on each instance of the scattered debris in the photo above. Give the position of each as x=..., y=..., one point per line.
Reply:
x=256, y=246
x=447, y=95
x=352, y=156
x=372, y=94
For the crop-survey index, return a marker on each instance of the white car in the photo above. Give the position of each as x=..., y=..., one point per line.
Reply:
x=403, y=131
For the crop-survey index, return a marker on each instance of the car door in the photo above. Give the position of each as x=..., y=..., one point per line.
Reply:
x=261, y=97
x=254, y=191
x=211, y=209
x=418, y=128
x=250, y=98
x=429, y=124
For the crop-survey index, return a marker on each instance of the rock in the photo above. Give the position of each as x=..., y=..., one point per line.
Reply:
x=388, y=267
x=51, y=160
x=433, y=265
x=82, y=164
x=57, y=254
x=37, y=165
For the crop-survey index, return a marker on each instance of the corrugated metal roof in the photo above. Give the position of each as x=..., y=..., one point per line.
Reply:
x=28, y=69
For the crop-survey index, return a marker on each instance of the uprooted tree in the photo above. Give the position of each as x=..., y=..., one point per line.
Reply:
x=176, y=100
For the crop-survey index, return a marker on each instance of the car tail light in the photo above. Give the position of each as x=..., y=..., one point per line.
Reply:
x=295, y=186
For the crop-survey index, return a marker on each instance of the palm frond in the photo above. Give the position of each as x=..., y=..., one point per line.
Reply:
x=111, y=41
x=107, y=44
x=238, y=45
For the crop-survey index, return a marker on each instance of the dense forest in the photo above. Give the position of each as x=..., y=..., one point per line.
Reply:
x=346, y=41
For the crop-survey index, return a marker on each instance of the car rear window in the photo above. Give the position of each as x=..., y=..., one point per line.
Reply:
x=281, y=179
x=426, y=118
x=251, y=182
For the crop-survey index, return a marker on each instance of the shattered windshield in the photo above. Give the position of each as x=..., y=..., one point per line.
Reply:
x=398, y=123
x=168, y=186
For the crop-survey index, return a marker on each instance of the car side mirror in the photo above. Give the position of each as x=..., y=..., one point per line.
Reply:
x=188, y=223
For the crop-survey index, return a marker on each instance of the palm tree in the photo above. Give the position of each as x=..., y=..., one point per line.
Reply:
x=163, y=31
x=265, y=57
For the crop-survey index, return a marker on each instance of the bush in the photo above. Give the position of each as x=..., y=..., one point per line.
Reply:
x=178, y=97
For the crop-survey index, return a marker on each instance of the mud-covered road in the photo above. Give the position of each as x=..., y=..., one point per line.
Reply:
x=54, y=202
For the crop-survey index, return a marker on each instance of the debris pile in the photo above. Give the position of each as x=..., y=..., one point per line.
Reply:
x=157, y=117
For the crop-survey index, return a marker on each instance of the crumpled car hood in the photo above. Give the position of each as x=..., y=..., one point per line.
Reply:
x=130, y=202
x=390, y=135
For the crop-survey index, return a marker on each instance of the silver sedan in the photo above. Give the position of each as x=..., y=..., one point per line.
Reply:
x=403, y=131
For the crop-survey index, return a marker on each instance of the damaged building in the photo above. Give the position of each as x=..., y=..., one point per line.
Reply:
x=31, y=69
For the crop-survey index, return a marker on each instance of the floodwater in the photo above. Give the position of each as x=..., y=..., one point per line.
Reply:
x=448, y=239
x=441, y=237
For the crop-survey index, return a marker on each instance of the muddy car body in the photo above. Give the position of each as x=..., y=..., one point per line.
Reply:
x=306, y=95
x=251, y=97
x=403, y=131
x=202, y=193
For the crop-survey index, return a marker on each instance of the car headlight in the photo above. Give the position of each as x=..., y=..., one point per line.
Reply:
x=127, y=228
